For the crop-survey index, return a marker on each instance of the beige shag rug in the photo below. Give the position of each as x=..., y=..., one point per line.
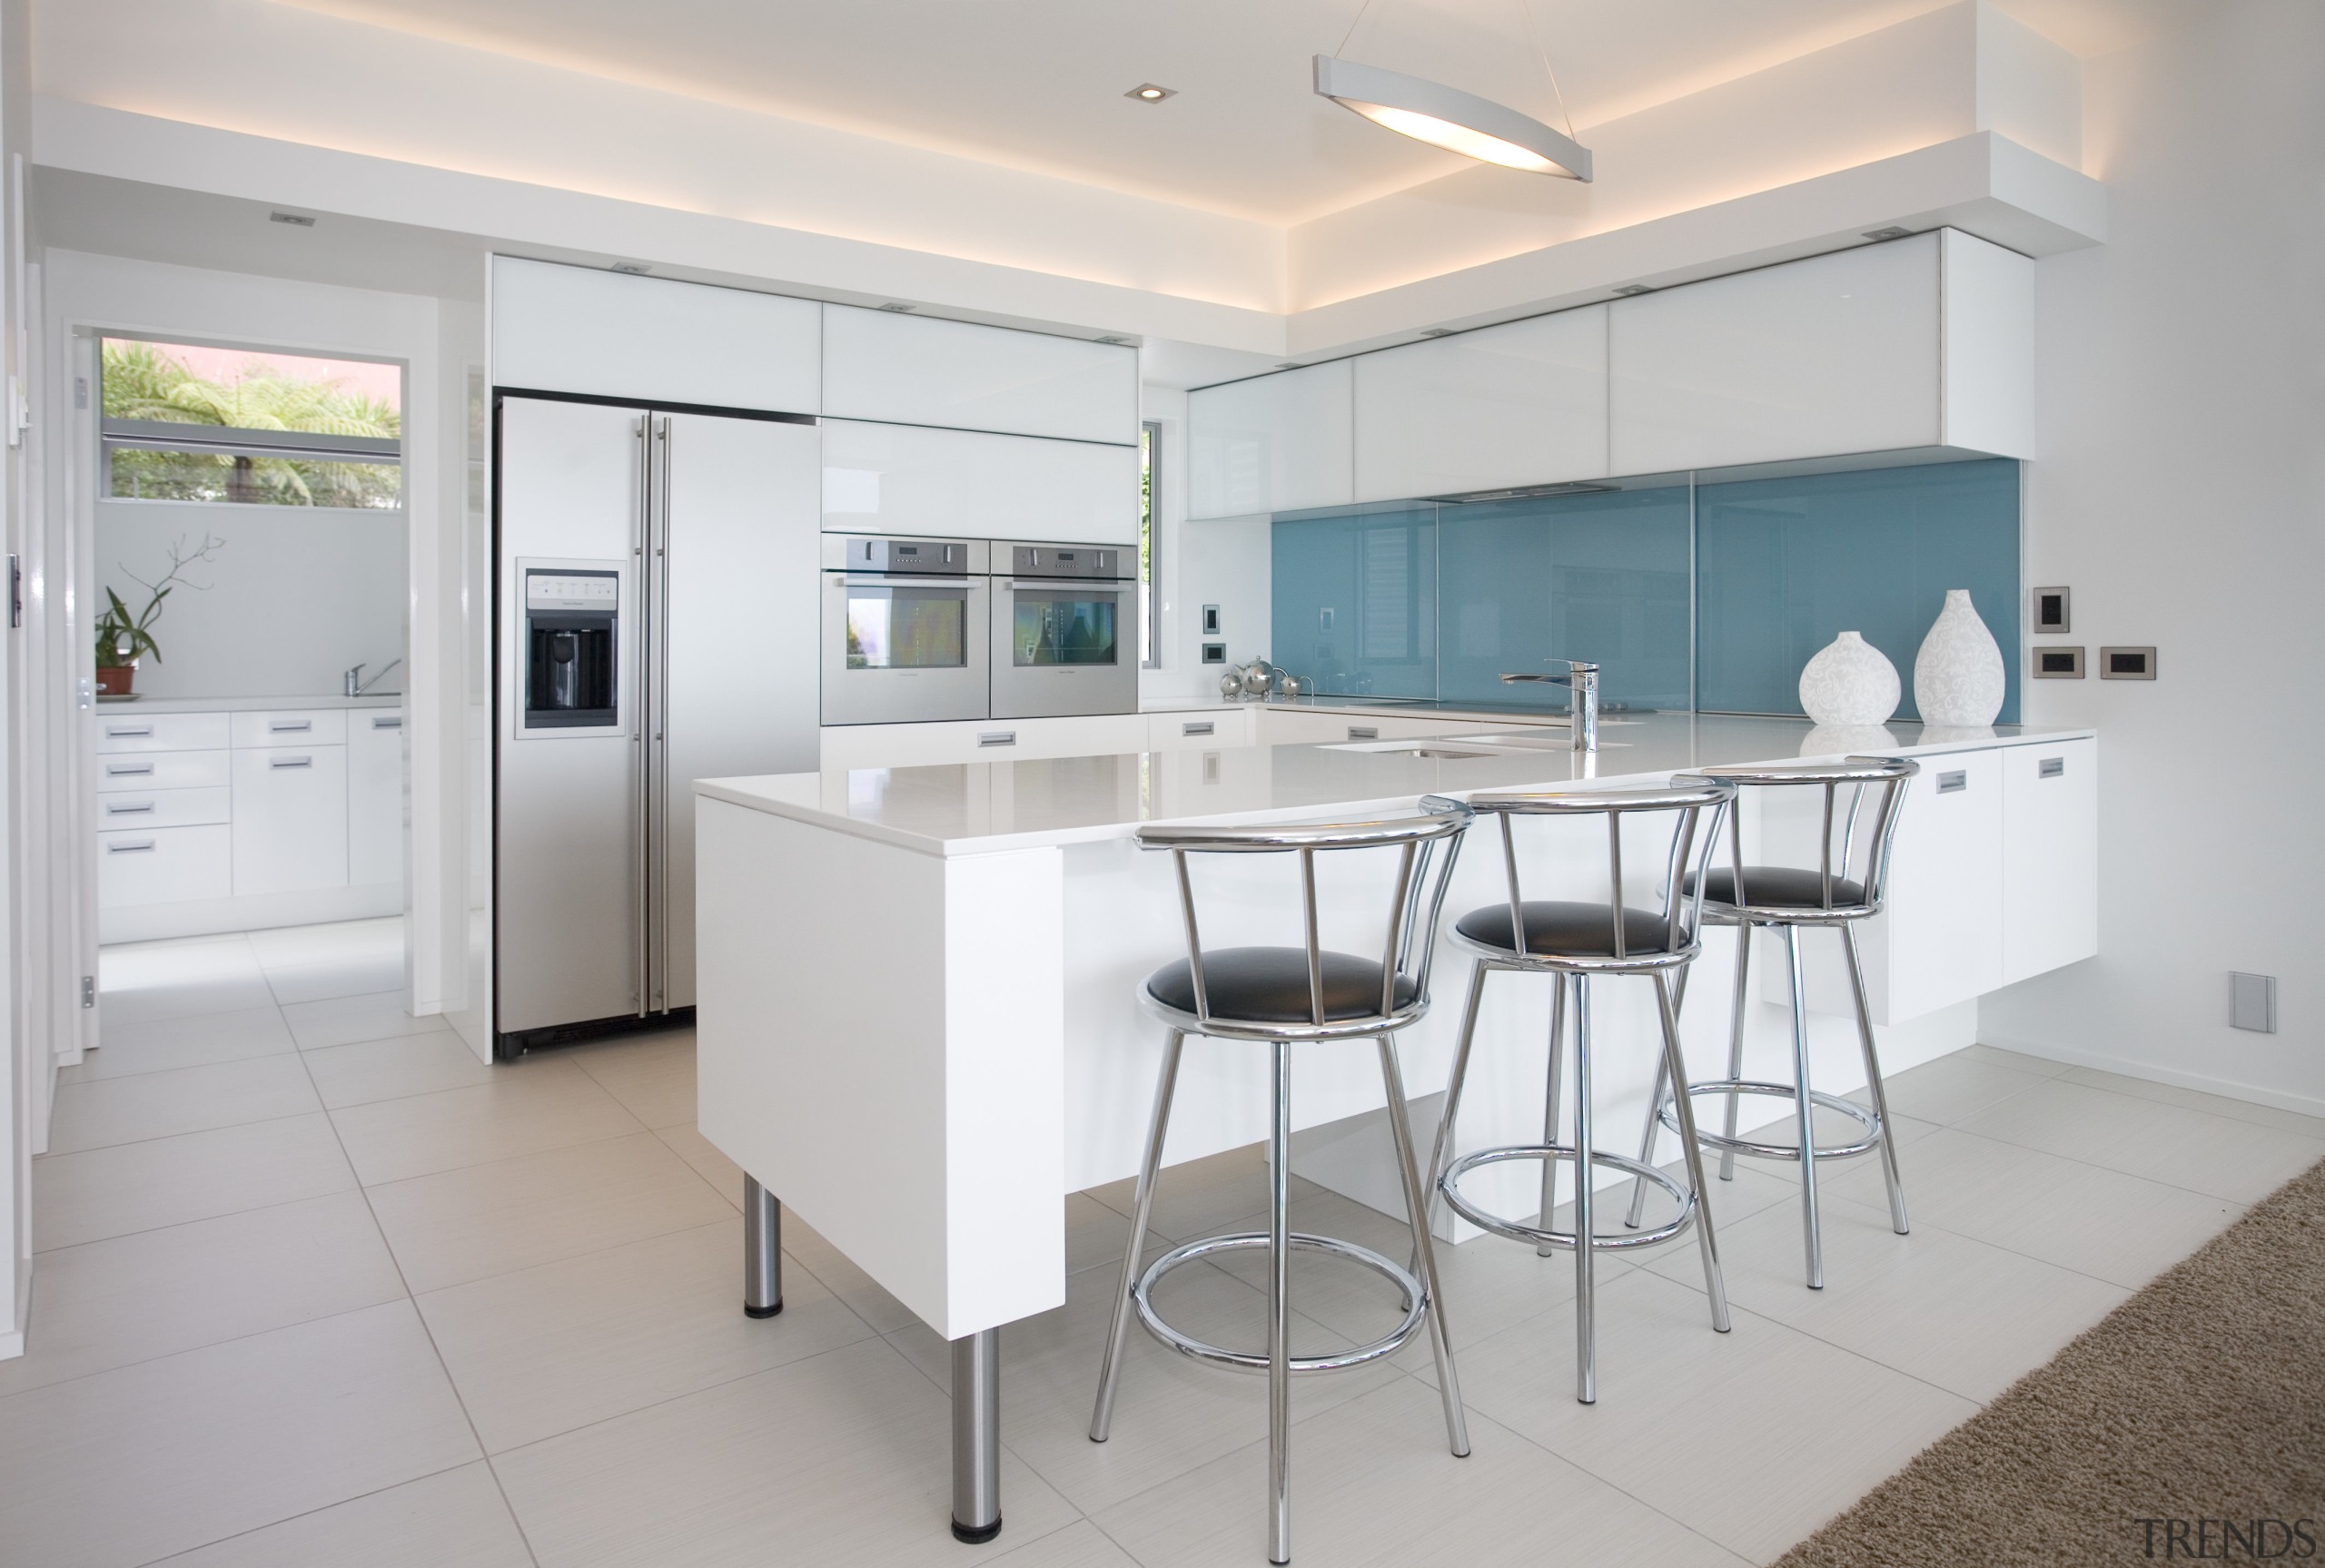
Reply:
x=2186, y=1426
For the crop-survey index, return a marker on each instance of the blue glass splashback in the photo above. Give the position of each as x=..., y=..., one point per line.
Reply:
x=1784, y=566
x=1422, y=599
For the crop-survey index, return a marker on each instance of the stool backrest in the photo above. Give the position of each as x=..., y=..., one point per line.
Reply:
x=1426, y=848
x=1883, y=779
x=1686, y=851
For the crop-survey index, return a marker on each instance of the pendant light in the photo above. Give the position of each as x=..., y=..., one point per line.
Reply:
x=1449, y=118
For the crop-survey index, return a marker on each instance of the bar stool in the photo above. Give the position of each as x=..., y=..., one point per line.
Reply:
x=1574, y=943
x=1279, y=996
x=1786, y=898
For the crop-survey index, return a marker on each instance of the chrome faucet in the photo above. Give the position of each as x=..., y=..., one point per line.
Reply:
x=353, y=684
x=1583, y=714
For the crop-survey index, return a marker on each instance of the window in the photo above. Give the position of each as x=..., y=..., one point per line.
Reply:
x=1150, y=636
x=187, y=422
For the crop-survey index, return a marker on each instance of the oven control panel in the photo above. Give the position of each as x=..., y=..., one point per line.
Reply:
x=1066, y=561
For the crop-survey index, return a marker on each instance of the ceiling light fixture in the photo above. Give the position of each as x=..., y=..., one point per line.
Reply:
x=1894, y=232
x=1629, y=289
x=1437, y=331
x=1148, y=92
x=896, y=307
x=1449, y=118
x=295, y=219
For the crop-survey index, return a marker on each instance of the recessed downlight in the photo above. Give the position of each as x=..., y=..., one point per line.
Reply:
x=1891, y=233
x=898, y=307
x=633, y=269
x=295, y=219
x=1633, y=289
x=1437, y=331
x=1148, y=92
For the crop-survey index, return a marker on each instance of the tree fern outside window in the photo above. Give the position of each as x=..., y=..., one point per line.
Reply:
x=184, y=422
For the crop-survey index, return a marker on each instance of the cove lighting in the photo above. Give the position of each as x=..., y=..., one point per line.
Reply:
x=1449, y=118
x=1148, y=92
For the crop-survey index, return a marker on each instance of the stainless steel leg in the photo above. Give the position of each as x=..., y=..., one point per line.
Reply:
x=1638, y=1209
x=1736, y=1043
x=1278, y=1314
x=1441, y=1345
x=976, y=1436
x=1674, y=1063
x=1585, y=1253
x=1101, y=1419
x=1550, y=1114
x=1805, y=1113
x=1872, y=1082
x=762, y=1250
x=1441, y=1145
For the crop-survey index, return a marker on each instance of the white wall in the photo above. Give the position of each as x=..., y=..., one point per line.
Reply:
x=295, y=596
x=2181, y=493
x=26, y=1070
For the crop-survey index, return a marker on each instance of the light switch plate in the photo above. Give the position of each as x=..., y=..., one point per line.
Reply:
x=1211, y=620
x=2127, y=664
x=2058, y=663
x=2053, y=611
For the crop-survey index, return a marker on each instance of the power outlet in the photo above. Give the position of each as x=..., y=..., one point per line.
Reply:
x=2252, y=1002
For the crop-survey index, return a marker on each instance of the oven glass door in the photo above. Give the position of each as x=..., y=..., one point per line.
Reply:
x=1070, y=624
x=908, y=629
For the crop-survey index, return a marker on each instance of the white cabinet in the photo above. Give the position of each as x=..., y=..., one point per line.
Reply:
x=1326, y=726
x=912, y=371
x=1201, y=731
x=1520, y=404
x=164, y=808
x=161, y=733
x=560, y=329
x=2050, y=860
x=163, y=865
x=161, y=771
x=1275, y=443
x=849, y=747
x=290, y=727
x=375, y=797
x=908, y=478
x=290, y=829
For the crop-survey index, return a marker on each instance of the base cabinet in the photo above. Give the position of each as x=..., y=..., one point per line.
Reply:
x=291, y=819
x=377, y=810
x=164, y=864
x=2050, y=858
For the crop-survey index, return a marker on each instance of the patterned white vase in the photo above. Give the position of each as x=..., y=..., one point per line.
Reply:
x=1957, y=676
x=1849, y=682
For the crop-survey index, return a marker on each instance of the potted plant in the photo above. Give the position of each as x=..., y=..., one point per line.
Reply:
x=123, y=638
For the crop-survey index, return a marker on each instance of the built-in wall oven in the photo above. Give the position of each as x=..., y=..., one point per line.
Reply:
x=904, y=629
x=1064, y=630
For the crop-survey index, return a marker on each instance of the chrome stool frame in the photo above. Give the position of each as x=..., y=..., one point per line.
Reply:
x=1335, y=992
x=1598, y=941
x=1786, y=899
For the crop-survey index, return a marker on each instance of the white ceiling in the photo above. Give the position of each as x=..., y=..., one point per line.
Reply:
x=1039, y=84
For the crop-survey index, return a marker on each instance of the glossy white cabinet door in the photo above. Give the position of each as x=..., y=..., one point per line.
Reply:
x=848, y=747
x=1520, y=404
x=1275, y=443
x=560, y=329
x=1212, y=731
x=163, y=771
x=2050, y=886
x=118, y=732
x=908, y=478
x=123, y=809
x=163, y=865
x=290, y=818
x=1989, y=346
x=1830, y=355
x=375, y=796
x=911, y=370
x=297, y=727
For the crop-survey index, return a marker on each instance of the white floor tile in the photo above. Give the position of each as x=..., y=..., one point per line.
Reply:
x=1080, y=1544
x=346, y=977
x=124, y=1048
x=335, y=942
x=2194, y=1099
x=709, y=1163
x=544, y=1350
x=453, y=1519
x=1953, y=1087
x=652, y=1076
x=346, y=1019
x=185, y=999
x=132, y=1186
x=526, y=1107
x=109, y=1110
x=125, y=1466
x=106, y=1303
x=2238, y=1160
x=391, y=1068
x=173, y=960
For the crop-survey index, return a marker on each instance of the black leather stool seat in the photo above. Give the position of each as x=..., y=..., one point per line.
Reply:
x=1270, y=985
x=1776, y=887
x=1568, y=929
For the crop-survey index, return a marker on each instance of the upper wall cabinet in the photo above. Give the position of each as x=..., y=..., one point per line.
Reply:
x=1918, y=342
x=911, y=479
x=1272, y=444
x=1520, y=404
x=911, y=370
x=559, y=329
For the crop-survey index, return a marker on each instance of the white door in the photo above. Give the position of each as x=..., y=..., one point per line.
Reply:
x=376, y=807
x=290, y=819
x=2049, y=864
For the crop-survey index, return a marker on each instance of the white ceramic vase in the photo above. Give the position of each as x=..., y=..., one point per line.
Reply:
x=1849, y=683
x=1957, y=676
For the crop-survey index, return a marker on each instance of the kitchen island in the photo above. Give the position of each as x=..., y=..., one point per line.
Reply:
x=917, y=1019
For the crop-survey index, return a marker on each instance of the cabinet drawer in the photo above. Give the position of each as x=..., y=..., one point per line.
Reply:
x=2050, y=866
x=164, y=808
x=290, y=819
x=304, y=726
x=161, y=733
x=163, y=865
x=1212, y=731
x=161, y=771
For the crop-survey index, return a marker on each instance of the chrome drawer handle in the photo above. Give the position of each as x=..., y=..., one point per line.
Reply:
x=2050, y=768
x=1203, y=728
x=1364, y=732
x=127, y=770
x=394, y=724
x=290, y=762
x=124, y=732
x=290, y=726
x=136, y=809
x=1953, y=782
x=998, y=738
x=139, y=846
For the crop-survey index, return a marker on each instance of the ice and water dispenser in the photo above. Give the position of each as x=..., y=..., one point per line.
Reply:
x=572, y=648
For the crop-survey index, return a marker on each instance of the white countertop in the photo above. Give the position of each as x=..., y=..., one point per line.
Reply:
x=968, y=808
x=145, y=705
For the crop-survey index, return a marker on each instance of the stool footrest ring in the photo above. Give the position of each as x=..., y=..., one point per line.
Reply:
x=1416, y=1302
x=1447, y=1184
x=1861, y=1115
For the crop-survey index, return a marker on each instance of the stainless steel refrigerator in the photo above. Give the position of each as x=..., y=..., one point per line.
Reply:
x=657, y=624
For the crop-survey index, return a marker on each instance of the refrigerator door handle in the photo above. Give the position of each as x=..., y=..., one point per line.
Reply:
x=641, y=661
x=659, y=823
